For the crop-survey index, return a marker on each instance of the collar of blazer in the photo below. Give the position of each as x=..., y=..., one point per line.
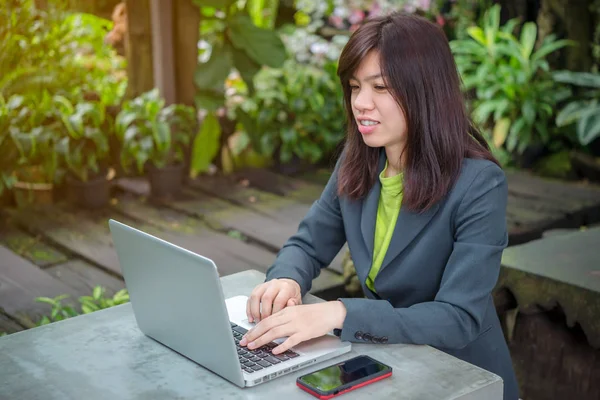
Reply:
x=408, y=226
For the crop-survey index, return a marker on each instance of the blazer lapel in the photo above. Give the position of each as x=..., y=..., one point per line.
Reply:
x=370, y=204
x=408, y=226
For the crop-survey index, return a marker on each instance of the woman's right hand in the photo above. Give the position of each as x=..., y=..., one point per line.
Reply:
x=270, y=297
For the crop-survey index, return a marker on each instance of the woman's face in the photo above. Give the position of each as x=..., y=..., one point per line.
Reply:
x=379, y=117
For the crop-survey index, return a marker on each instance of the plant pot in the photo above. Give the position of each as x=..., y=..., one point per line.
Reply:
x=92, y=194
x=166, y=182
x=32, y=194
x=31, y=187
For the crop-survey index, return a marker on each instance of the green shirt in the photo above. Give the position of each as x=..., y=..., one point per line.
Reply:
x=388, y=209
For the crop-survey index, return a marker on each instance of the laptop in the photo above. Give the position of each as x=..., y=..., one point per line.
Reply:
x=177, y=300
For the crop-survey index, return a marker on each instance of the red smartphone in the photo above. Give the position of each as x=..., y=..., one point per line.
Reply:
x=343, y=377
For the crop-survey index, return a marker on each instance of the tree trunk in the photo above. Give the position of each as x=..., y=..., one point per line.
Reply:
x=138, y=48
x=185, y=48
x=578, y=22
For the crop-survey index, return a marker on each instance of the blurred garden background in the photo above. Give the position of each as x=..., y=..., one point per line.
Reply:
x=77, y=97
x=217, y=122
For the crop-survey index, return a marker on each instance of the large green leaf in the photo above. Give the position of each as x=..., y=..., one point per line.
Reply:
x=263, y=46
x=501, y=132
x=528, y=35
x=550, y=47
x=162, y=135
x=477, y=33
x=510, y=25
x=485, y=108
x=588, y=127
x=206, y=145
x=124, y=119
x=212, y=74
x=585, y=79
x=247, y=68
x=468, y=47
x=570, y=113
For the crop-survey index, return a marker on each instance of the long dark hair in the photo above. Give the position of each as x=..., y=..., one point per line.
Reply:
x=418, y=67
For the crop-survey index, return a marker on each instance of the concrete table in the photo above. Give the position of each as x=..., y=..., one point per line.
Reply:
x=104, y=355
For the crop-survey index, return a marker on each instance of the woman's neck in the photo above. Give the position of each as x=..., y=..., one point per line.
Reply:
x=395, y=160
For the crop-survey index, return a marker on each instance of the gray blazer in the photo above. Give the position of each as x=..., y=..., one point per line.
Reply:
x=434, y=285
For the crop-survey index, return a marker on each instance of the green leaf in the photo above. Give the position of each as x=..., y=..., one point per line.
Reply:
x=584, y=79
x=549, y=47
x=529, y=112
x=510, y=25
x=69, y=312
x=206, y=145
x=477, y=34
x=588, y=127
x=212, y=74
x=301, y=18
x=501, y=132
x=570, y=113
x=89, y=304
x=528, y=35
x=263, y=46
x=514, y=134
x=87, y=309
x=97, y=292
x=247, y=68
x=162, y=136
x=501, y=108
x=122, y=296
x=209, y=100
x=123, y=120
x=140, y=159
x=483, y=111
x=46, y=300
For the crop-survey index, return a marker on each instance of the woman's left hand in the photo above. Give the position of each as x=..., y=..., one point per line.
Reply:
x=298, y=323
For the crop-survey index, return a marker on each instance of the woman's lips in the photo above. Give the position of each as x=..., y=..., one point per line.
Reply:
x=367, y=129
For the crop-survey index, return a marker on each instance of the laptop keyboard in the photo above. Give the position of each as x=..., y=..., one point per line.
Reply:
x=257, y=359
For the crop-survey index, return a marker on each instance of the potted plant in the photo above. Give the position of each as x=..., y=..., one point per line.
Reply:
x=295, y=116
x=155, y=138
x=84, y=149
x=33, y=129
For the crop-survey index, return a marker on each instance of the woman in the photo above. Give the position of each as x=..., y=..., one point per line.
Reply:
x=420, y=201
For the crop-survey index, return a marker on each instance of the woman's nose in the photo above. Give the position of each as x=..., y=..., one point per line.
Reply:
x=363, y=100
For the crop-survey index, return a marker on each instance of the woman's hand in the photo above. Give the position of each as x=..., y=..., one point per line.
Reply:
x=299, y=324
x=270, y=297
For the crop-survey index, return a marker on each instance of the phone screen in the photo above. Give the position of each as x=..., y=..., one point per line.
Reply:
x=352, y=370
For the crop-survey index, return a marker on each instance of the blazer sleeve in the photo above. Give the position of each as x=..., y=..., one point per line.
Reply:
x=455, y=317
x=319, y=238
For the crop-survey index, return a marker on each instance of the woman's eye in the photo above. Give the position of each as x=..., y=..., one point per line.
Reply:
x=354, y=87
x=380, y=87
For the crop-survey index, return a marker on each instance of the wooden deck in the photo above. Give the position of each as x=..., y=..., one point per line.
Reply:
x=240, y=222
